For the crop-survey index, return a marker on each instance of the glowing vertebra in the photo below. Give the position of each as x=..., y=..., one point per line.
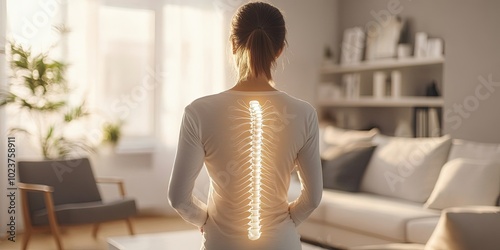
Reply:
x=256, y=163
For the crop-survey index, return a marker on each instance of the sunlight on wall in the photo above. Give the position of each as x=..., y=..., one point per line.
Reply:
x=126, y=70
x=193, y=54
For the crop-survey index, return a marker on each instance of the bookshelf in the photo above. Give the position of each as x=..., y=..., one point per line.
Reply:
x=366, y=111
x=408, y=101
x=392, y=63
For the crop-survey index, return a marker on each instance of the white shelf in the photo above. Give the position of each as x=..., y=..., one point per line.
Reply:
x=381, y=64
x=405, y=101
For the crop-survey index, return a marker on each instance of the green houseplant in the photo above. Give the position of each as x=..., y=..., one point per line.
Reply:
x=38, y=90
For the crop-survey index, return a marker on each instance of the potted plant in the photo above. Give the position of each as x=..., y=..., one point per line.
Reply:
x=38, y=89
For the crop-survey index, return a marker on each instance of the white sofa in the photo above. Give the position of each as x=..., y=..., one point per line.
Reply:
x=406, y=185
x=459, y=228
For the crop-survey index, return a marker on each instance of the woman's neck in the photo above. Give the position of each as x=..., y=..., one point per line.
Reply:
x=260, y=83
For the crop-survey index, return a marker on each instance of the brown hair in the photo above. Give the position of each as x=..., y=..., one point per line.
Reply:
x=258, y=35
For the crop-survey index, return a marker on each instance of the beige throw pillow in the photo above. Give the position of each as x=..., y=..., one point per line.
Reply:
x=465, y=182
x=405, y=168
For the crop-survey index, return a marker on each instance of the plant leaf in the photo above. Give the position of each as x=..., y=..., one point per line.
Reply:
x=49, y=133
x=13, y=131
x=76, y=113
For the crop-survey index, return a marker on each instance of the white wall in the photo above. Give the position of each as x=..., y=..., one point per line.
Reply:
x=311, y=25
x=472, y=53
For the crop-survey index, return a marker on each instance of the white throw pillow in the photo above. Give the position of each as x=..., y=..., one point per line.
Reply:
x=466, y=228
x=464, y=182
x=405, y=168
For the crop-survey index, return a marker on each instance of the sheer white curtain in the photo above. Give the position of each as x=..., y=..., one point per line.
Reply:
x=194, y=46
x=194, y=57
x=141, y=57
x=161, y=55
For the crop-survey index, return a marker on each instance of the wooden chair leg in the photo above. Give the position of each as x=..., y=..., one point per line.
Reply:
x=52, y=220
x=26, y=238
x=95, y=230
x=129, y=225
x=55, y=232
x=27, y=220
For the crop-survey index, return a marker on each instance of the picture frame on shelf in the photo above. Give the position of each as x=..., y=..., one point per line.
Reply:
x=382, y=40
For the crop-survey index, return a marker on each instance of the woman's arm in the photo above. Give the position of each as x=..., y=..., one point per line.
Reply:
x=188, y=164
x=310, y=175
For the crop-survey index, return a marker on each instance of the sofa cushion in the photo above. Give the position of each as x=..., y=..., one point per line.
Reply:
x=89, y=212
x=371, y=214
x=405, y=168
x=344, y=169
x=467, y=228
x=420, y=230
x=338, y=136
x=465, y=182
x=474, y=150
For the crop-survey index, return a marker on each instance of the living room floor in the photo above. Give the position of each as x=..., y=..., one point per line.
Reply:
x=80, y=237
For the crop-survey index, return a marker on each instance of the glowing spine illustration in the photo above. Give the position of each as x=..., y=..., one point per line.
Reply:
x=256, y=163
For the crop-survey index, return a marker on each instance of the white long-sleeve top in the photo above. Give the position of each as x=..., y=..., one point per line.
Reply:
x=250, y=166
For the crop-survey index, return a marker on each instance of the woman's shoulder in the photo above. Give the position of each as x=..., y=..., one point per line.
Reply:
x=206, y=103
x=228, y=98
x=300, y=103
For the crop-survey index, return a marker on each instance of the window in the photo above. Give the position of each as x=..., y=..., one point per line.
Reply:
x=126, y=68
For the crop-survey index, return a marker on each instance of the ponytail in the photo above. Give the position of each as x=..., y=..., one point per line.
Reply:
x=257, y=56
x=258, y=36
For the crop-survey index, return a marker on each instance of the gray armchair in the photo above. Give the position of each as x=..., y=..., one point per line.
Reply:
x=65, y=192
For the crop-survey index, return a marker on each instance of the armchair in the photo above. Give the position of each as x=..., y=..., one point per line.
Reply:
x=65, y=192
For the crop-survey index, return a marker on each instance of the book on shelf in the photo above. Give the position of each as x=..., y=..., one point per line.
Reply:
x=351, y=85
x=427, y=122
x=433, y=122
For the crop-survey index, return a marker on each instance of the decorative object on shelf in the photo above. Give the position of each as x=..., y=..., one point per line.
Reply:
x=428, y=47
x=432, y=89
x=420, y=45
x=404, y=50
x=379, y=82
x=396, y=83
x=351, y=84
x=383, y=41
x=434, y=47
x=328, y=56
x=352, y=46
